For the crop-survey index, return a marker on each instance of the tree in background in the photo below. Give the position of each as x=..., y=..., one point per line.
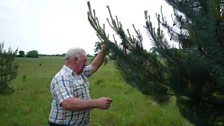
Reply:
x=21, y=53
x=8, y=68
x=193, y=72
x=32, y=54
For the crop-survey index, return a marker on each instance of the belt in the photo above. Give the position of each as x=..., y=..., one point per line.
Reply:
x=54, y=124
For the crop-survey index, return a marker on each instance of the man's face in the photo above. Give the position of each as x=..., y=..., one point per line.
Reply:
x=81, y=63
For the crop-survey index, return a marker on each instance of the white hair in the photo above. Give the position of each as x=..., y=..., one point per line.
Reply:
x=74, y=52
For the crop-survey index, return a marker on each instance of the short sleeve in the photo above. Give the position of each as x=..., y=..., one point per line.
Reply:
x=61, y=89
x=87, y=71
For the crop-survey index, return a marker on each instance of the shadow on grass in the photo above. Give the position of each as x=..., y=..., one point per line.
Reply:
x=5, y=89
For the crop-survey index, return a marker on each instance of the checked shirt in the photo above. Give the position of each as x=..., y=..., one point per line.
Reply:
x=65, y=84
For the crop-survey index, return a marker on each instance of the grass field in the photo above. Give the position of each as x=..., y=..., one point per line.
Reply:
x=29, y=105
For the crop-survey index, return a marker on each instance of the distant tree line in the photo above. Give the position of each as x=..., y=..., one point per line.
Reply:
x=35, y=54
x=32, y=53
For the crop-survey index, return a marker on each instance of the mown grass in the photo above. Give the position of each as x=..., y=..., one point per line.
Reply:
x=30, y=102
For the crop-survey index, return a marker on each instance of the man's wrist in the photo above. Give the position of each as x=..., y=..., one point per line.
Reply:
x=95, y=103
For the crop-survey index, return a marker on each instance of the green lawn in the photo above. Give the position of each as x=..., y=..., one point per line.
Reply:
x=29, y=105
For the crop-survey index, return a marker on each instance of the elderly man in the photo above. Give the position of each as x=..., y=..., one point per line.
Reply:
x=71, y=103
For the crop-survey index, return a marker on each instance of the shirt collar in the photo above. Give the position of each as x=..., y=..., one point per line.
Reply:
x=70, y=71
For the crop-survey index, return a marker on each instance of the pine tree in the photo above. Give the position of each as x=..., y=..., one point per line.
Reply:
x=8, y=68
x=193, y=72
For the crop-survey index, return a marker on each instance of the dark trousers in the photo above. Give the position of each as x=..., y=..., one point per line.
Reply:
x=54, y=124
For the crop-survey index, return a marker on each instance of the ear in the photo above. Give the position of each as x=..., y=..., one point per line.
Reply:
x=75, y=59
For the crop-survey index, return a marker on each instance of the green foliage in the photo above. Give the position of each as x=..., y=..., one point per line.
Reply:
x=21, y=53
x=32, y=54
x=8, y=68
x=193, y=72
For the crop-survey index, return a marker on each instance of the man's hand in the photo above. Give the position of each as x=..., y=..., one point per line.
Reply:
x=103, y=103
x=104, y=47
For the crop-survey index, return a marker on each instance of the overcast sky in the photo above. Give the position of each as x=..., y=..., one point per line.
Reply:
x=54, y=26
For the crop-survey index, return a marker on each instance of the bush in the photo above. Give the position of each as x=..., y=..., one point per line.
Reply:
x=8, y=68
x=33, y=54
x=21, y=53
